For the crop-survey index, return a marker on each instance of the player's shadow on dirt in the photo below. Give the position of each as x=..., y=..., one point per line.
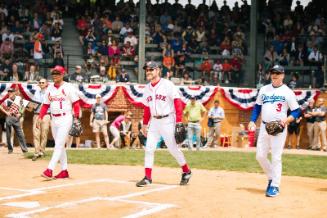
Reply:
x=251, y=190
x=322, y=189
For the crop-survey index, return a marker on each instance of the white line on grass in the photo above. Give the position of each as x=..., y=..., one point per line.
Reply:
x=15, y=189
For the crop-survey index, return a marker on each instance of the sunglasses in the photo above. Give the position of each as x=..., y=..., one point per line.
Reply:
x=55, y=74
x=276, y=72
x=149, y=70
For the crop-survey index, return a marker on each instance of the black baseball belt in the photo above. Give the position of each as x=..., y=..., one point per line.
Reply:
x=161, y=116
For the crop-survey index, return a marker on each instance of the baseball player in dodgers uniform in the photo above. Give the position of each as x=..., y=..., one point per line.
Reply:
x=163, y=110
x=62, y=100
x=273, y=101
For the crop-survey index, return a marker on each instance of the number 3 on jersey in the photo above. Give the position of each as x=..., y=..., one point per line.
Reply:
x=279, y=107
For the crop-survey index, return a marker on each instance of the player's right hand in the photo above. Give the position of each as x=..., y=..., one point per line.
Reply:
x=252, y=127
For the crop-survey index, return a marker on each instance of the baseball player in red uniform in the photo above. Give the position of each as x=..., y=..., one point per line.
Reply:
x=163, y=109
x=62, y=100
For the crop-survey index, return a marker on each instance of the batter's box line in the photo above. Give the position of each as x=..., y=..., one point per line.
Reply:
x=155, y=207
x=41, y=190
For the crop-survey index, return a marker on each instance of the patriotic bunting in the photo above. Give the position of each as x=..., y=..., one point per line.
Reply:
x=244, y=99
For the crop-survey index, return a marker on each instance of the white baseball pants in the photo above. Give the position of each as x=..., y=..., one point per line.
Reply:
x=164, y=127
x=60, y=127
x=273, y=168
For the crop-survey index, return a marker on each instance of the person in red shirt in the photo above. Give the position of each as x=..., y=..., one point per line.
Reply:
x=206, y=67
x=236, y=66
x=227, y=69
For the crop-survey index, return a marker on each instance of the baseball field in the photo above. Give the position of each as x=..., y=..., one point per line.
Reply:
x=102, y=184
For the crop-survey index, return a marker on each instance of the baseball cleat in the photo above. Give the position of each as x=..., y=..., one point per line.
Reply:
x=185, y=178
x=144, y=182
x=269, y=184
x=62, y=175
x=272, y=191
x=47, y=174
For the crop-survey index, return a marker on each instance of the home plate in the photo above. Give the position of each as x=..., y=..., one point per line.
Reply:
x=23, y=204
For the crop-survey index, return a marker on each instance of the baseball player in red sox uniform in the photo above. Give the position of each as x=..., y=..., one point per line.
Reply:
x=63, y=102
x=273, y=101
x=163, y=110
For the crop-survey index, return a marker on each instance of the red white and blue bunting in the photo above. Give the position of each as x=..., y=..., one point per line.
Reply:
x=244, y=99
x=4, y=90
x=87, y=93
x=28, y=91
x=203, y=94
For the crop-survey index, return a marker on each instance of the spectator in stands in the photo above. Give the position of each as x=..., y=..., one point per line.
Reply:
x=125, y=129
x=186, y=79
x=315, y=57
x=89, y=38
x=56, y=33
x=117, y=25
x=77, y=75
x=176, y=43
x=225, y=45
x=227, y=69
x=125, y=29
x=194, y=112
x=36, y=22
x=284, y=58
x=158, y=37
x=99, y=121
x=114, y=57
x=90, y=69
x=6, y=70
x=188, y=34
x=319, y=127
x=123, y=76
x=168, y=60
x=278, y=44
x=236, y=68
x=16, y=76
x=128, y=51
x=270, y=58
x=310, y=120
x=32, y=74
x=180, y=63
x=300, y=58
x=6, y=49
x=292, y=84
x=58, y=60
x=217, y=72
x=103, y=49
x=131, y=38
x=200, y=37
x=206, y=67
x=38, y=50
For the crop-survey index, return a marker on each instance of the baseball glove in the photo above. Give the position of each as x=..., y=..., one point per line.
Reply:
x=76, y=129
x=180, y=133
x=274, y=127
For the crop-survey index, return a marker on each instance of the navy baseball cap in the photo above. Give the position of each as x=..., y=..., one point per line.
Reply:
x=278, y=69
x=151, y=65
x=11, y=90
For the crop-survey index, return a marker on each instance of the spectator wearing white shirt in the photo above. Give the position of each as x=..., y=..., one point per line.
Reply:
x=315, y=56
x=215, y=116
x=130, y=38
x=125, y=29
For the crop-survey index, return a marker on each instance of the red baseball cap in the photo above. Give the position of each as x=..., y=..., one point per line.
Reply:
x=59, y=69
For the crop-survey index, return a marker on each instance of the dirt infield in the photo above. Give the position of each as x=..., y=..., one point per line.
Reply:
x=109, y=191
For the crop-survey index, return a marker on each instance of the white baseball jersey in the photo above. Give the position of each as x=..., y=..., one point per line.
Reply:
x=160, y=98
x=60, y=99
x=275, y=102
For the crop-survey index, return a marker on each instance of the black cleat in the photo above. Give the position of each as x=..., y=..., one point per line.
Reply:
x=144, y=182
x=185, y=178
x=10, y=151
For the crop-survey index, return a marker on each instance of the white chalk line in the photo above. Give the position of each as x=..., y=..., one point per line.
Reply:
x=155, y=206
x=14, y=189
x=41, y=190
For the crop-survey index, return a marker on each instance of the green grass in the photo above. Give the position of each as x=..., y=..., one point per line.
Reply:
x=293, y=165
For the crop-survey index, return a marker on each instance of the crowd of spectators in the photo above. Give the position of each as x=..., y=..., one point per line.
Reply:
x=30, y=34
x=296, y=38
x=216, y=36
